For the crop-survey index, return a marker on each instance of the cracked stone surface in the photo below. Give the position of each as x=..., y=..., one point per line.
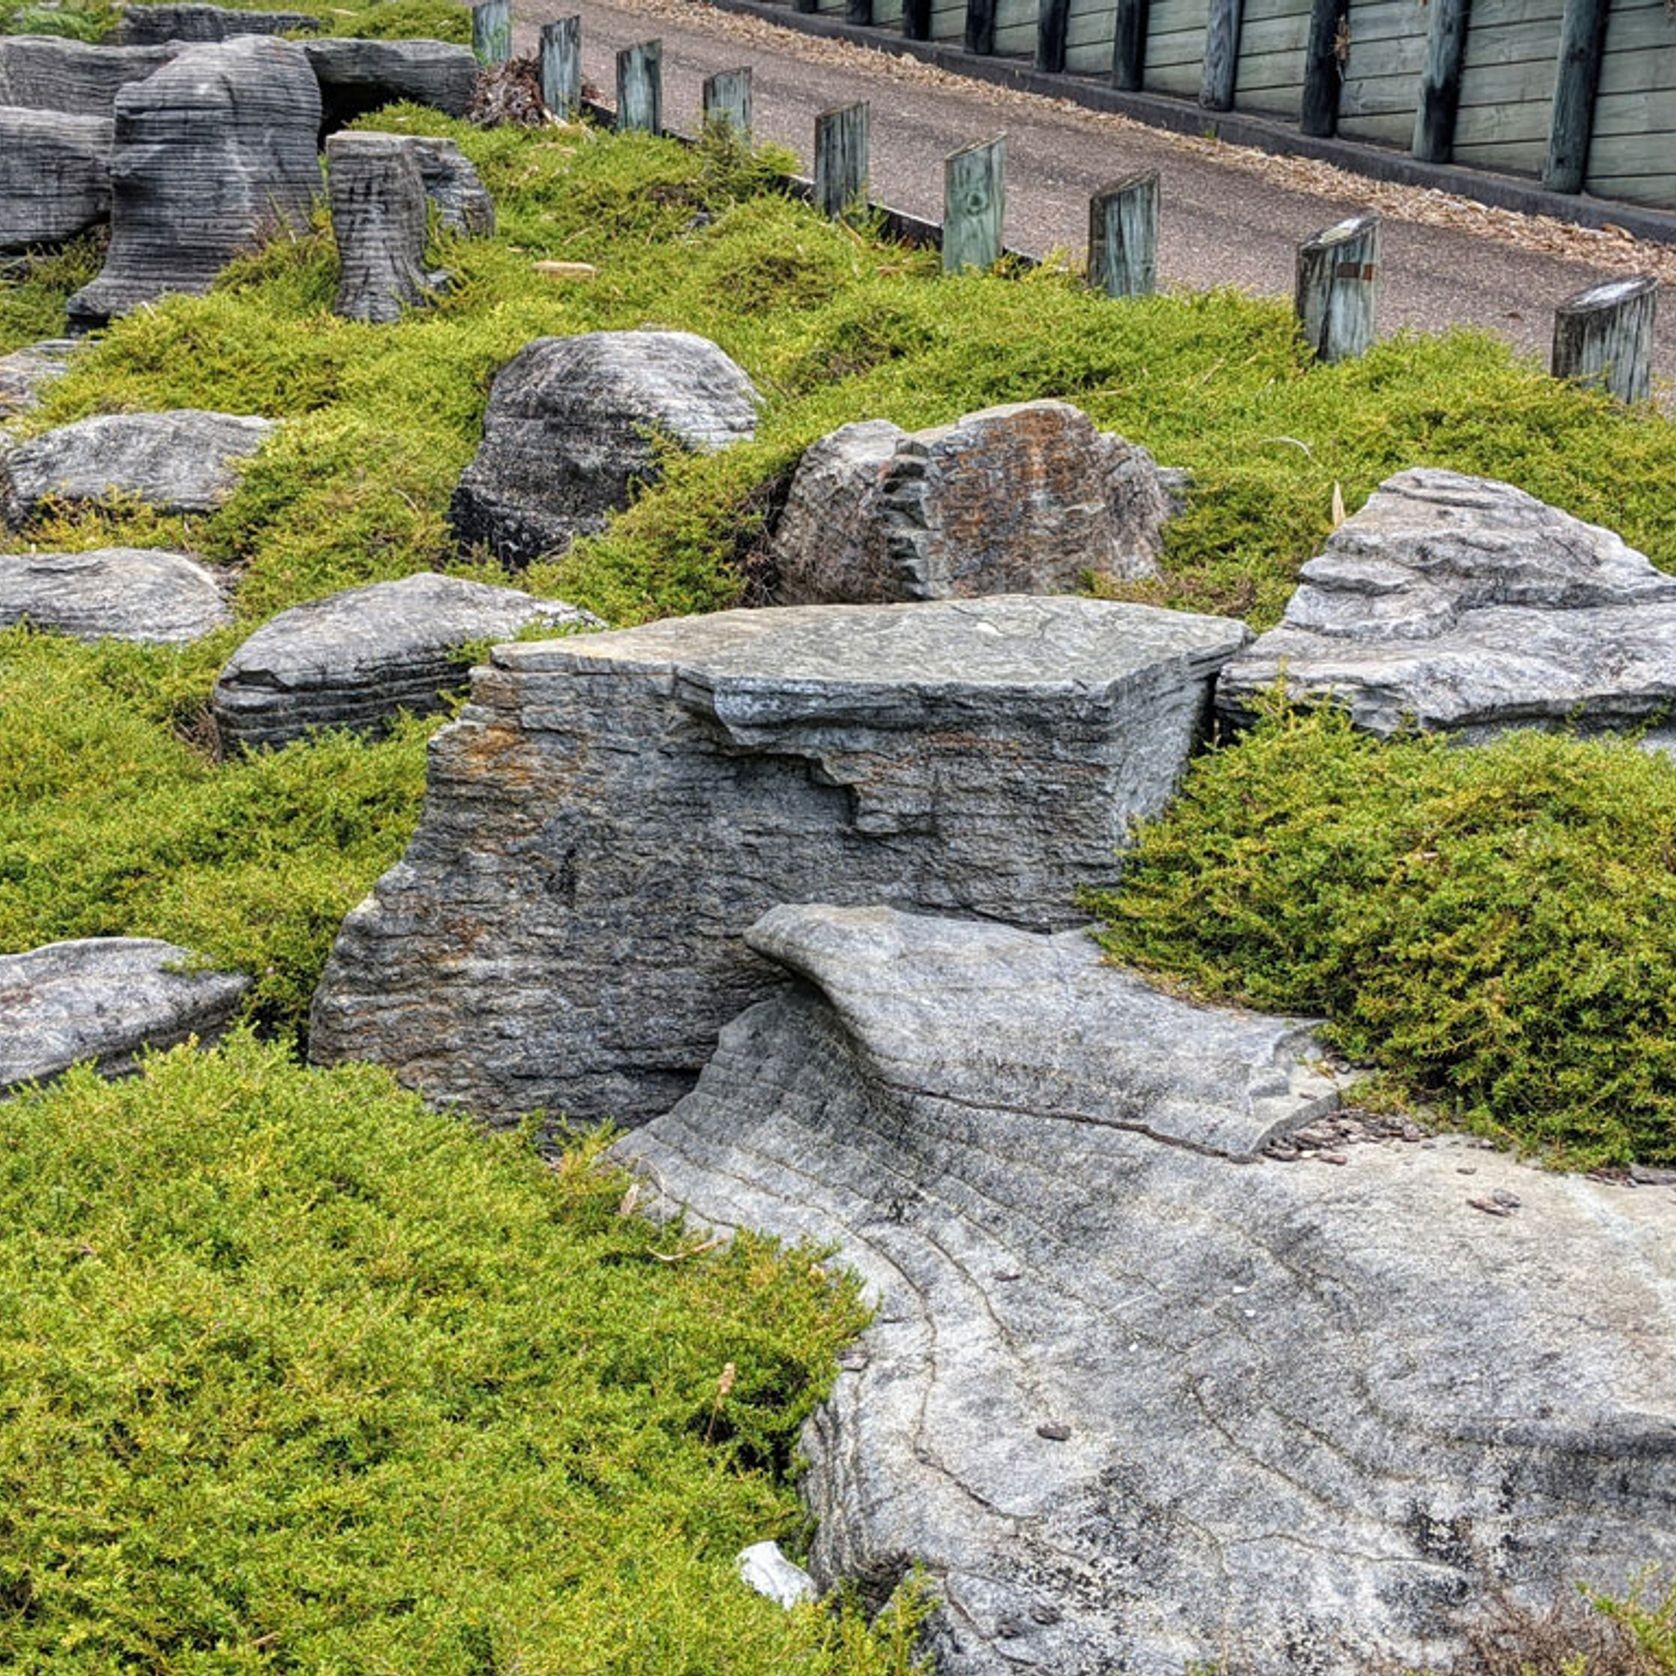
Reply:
x=1029, y=498
x=120, y=593
x=571, y=427
x=156, y=25
x=356, y=77
x=355, y=658
x=611, y=812
x=214, y=155
x=26, y=373
x=55, y=176
x=1136, y=1396
x=104, y=999
x=73, y=78
x=184, y=460
x=1466, y=606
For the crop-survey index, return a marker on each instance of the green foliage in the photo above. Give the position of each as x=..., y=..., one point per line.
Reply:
x=32, y=306
x=1495, y=924
x=296, y=1375
x=96, y=20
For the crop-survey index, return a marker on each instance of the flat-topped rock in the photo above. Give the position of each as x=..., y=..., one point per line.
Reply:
x=26, y=373
x=356, y=77
x=55, y=176
x=1138, y=1394
x=72, y=78
x=1462, y=605
x=379, y=224
x=116, y=593
x=1030, y=498
x=184, y=460
x=611, y=813
x=104, y=999
x=571, y=428
x=155, y=25
x=354, y=659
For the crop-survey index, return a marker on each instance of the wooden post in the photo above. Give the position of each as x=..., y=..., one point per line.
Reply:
x=858, y=11
x=491, y=31
x=1440, y=81
x=1123, y=237
x=1604, y=336
x=1053, y=20
x=805, y=5
x=1323, y=71
x=1129, y=45
x=640, y=88
x=561, y=68
x=916, y=19
x=727, y=101
x=980, y=26
x=974, y=205
x=1338, y=288
x=1222, y=55
x=842, y=139
x=1582, y=35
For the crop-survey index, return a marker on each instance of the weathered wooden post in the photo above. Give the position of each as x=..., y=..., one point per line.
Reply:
x=1440, y=81
x=1129, y=45
x=916, y=20
x=842, y=141
x=1604, y=336
x=858, y=11
x=378, y=219
x=1582, y=36
x=640, y=88
x=1222, y=55
x=491, y=31
x=1338, y=288
x=980, y=26
x=1053, y=23
x=561, y=68
x=974, y=205
x=727, y=101
x=1123, y=237
x=1323, y=69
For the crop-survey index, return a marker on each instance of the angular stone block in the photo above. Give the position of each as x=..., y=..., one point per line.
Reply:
x=155, y=25
x=26, y=373
x=356, y=77
x=55, y=177
x=73, y=78
x=119, y=593
x=612, y=812
x=379, y=223
x=453, y=184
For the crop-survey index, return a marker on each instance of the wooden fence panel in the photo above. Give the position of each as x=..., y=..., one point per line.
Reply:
x=1088, y=38
x=887, y=14
x=1634, y=151
x=1382, y=74
x=1175, y=47
x=1015, y=27
x=1273, y=38
x=948, y=21
x=1507, y=84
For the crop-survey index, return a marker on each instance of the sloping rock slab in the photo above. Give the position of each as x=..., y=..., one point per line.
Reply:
x=55, y=176
x=1029, y=498
x=612, y=812
x=1467, y=606
x=25, y=373
x=153, y=25
x=1142, y=1400
x=184, y=460
x=355, y=658
x=119, y=593
x=356, y=77
x=571, y=426
x=104, y=999
x=72, y=78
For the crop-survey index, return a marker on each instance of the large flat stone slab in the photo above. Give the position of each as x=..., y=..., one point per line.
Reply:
x=155, y=25
x=55, y=176
x=117, y=593
x=1139, y=1395
x=356, y=77
x=612, y=812
x=73, y=78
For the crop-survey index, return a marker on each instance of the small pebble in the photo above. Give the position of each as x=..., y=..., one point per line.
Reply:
x=1055, y=1431
x=1333, y=1158
x=1466, y=1169
x=1045, y=1612
x=1508, y=1201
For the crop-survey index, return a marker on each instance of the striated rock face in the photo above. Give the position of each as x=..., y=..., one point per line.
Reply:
x=184, y=460
x=379, y=223
x=26, y=373
x=570, y=431
x=453, y=184
x=356, y=658
x=356, y=77
x=104, y=999
x=72, y=78
x=612, y=812
x=55, y=176
x=214, y=154
x=154, y=25
x=1464, y=605
x=1141, y=1396
x=120, y=593
x=1023, y=499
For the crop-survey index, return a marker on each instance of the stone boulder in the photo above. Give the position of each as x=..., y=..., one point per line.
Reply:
x=156, y=25
x=379, y=222
x=1462, y=605
x=1023, y=499
x=26, y=373
x=453, y=184
x=355, y=658
x=573, y=425
x=356, y=77
x=55, y=177
x=72, y=78
x=184, y=460
x=104, y=999
x=611, y=813
x=214, y=155
x=117, y=593
x=1155, y=1380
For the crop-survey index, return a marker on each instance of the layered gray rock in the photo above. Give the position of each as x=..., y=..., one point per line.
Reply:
x=1463, y=605
x=104, y=999
x=119, y=593
x=184, y=460
x=26, y=373
x=1140, y=1395
x=573, y=425
x=356, y=77
x=72, y=78
x=611, y=812
x=1030, y=498
x=214, y=155
x=453, y=184
x=156, y=25
x=55, y=177
x=379, y=222
x=355, y=659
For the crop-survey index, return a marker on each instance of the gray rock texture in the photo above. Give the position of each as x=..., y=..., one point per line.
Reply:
x=157, y=25
x=120, y=593
x=214, y=154
x=72, y=78
x=184, y=460
x=104, y=999
x=1462, y=605
x=55, y=176
x=26, y=373
x=355, y=658
x=1140, y=1395
x=356, y=77
x=379, y=222
x=571, y=428
x=612, y=812
x=453, y=184
x=1030, y=498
